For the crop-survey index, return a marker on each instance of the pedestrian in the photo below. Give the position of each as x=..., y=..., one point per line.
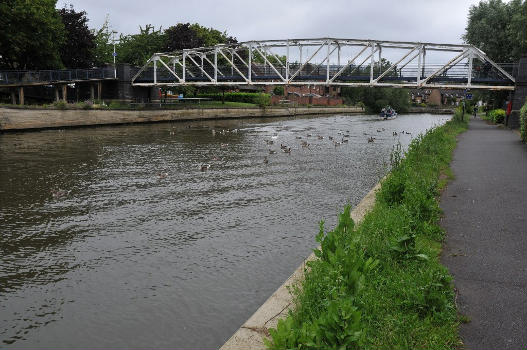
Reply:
x=475, y=112
x=509, y=108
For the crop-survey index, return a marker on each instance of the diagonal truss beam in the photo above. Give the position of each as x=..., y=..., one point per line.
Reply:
x=232, y=64
x=396, y=63
x=400, y=54
x=306, y=62
x=189, y=56
x=269, y=63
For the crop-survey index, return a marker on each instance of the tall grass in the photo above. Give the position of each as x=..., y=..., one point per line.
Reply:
x=380, y=285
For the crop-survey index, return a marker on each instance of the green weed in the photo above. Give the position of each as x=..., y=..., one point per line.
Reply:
x=379, y=285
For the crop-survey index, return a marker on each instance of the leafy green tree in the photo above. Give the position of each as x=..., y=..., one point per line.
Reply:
x=211, y=36
x=136, y=49
x=103, y=44
x=376, y=98
x=498, y=29
x=31, y=34
x=79, y=45
x=188, y=36
x=182, y=36
x=517, y=28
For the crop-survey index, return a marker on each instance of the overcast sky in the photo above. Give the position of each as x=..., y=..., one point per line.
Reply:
x=440, y=21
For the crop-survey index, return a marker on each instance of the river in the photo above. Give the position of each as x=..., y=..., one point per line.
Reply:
x=123, y=236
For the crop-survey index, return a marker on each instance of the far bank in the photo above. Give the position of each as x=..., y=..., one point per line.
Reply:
x=13, y=119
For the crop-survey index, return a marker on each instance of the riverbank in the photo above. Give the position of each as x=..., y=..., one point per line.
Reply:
x=378, y=285
x=13, y=119
x=432, y=110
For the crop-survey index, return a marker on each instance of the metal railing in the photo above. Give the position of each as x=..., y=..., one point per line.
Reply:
x=29, y=77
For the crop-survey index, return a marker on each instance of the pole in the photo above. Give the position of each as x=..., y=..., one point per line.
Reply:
x=114, y=54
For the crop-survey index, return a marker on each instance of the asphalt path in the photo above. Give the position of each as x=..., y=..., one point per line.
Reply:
x=484, y=217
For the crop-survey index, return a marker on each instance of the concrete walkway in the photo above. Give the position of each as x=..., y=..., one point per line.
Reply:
x=485, y=250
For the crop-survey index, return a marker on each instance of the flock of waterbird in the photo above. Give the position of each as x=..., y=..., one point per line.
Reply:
x=336, y=141
x=342, y=138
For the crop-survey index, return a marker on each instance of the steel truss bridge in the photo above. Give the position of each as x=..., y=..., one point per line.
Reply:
x=329, y=62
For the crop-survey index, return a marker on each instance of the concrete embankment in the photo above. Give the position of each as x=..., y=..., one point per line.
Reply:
x=23, y=119
x=251, y=334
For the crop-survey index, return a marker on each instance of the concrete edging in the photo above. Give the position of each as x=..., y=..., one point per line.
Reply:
x=25, y=119
x=250, y=335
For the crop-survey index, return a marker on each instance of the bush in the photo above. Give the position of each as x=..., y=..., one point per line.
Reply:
x=497, y=116
x=523, y=122
x=88, y=104
x=245, y=97
x=278, y=90
x=60, y=104
x=262, y=100
x=118, y=105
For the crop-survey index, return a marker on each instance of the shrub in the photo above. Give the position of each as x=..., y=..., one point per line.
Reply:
x=278, y=90
x=262, y=100
x=88, y=104
x=117, y=105
x=60, y=104
x=245, y=97
x=523, y=122
x=497, y=116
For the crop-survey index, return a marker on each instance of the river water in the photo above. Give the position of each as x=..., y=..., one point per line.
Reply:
x=114, y=237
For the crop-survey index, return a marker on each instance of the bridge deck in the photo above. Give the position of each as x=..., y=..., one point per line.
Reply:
x=52, y=77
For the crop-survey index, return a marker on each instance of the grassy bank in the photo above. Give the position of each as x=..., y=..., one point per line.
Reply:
x=380, y=285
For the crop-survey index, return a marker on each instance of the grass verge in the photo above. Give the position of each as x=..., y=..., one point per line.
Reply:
x=380, y=285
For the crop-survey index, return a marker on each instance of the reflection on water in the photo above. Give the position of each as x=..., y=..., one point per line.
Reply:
x=115, y=237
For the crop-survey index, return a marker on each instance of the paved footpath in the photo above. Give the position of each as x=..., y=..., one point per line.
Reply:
x=485, y=250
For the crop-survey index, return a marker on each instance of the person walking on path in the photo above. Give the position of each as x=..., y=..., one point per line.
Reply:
x=485, y=246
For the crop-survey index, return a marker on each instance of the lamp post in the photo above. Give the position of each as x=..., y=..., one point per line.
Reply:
x=114, y=54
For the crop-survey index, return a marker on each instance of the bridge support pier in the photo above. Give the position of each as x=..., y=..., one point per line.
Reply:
x=21, y=95
x=92, y=92
x=99, y=90
x=13, y=97
x=57, y=98
x=65, y=93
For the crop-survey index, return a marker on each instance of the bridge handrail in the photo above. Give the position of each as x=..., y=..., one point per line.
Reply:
x=16, y=76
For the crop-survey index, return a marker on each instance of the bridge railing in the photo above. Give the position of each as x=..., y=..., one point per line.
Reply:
x=226, y=73
x=21, y=77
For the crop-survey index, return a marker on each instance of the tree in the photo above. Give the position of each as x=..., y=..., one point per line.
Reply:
x=498, y=29
x=182, y=36
x=189, y=36
x=211, y=36
x=78, y=50
x=376, y=98
x=31, y=34
x=138, y=48
x=103, y=50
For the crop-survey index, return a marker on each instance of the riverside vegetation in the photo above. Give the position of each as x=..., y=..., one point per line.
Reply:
x=380, y=285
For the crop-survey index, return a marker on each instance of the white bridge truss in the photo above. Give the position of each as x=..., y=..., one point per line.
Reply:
x=329, y=62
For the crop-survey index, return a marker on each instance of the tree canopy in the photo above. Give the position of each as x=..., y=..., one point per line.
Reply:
x=498, y=28
x=31, y=34
x=78, y=50
x=136, y=49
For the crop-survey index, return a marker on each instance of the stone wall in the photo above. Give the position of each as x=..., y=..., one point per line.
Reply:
x=20, y=119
